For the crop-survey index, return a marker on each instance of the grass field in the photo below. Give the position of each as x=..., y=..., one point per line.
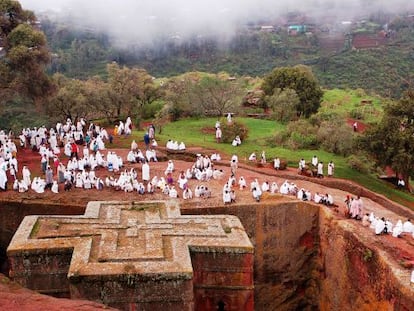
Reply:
x=200, y=132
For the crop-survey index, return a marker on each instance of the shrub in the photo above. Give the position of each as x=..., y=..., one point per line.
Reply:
x=230, y=131
x=356, y=114
x=335, y=137
x=360, y=163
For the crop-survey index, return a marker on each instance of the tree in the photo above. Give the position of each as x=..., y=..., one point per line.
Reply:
x=391, y=142
x=215, y=95
x=69, y=101
x=133, y=88
x=283, y=104
x=302, y=81
x=177, y=94
x=24, y=54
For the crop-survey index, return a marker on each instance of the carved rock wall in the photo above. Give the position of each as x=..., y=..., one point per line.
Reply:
x=356, y=274
x=286, y=241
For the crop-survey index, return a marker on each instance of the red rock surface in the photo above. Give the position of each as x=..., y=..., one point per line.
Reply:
x=15, y=298
x=400, y=251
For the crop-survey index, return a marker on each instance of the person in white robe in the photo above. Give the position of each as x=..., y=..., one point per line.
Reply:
x=187, y=194
x=320, y=169
x=22, y=186
x=145, y=172
x=229, y=120
x=182, y=181
x=115, y=162
x=87, y=184
x=274, y=188
x=265, y=186
x=173, y=192
x=226, y=196
x=330, y=200
x=236, y=141
x=16, y=185
x=242, y=183
x=68, y=149
x=354, y=210
x=284, y=188
x=331, y=167
x=121, y=128
x=99, y=184
x=55, y=187
x=408, y=226
x=365, y=220
x=79, y=181
x=215, y=157
x=219, y=134
x=128, y=186
x=276, y=163
x=128, y=126
x=162, y=184
x=134, y=146
x=101, y=144
x=131, y=157
x=218, y=174
x=379, y=226
x=170, y=167
x=315, y=161
x=317, y=198
x=252, y=157
x=3, y=180
x=150, y=187
x=99, y=159
x=254, y=184
x=389, y=226
x=26, y=176
x=197, y=191
x=257, y=193
x=263, y=158
x=181, y=146
x=38, y=185
x=299, y=195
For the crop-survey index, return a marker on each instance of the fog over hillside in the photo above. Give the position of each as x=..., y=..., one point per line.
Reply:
x=147, y=21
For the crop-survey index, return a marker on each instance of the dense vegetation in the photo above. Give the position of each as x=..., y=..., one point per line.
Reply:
x=82, y=53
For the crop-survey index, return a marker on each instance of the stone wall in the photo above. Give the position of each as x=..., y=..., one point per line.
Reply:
x=286, y=241
x=356, y=274
x=304, y=258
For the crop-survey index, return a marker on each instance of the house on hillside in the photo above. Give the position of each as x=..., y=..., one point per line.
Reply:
x=368, y=40
x=268, y=28
x=296, y=29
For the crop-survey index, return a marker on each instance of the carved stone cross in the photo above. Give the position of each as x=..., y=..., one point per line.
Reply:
x=136, y=255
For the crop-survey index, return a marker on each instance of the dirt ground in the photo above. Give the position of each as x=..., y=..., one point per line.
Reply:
x=402, y=249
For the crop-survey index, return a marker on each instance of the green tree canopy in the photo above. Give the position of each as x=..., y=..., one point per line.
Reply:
x=391, y=141
x=133, y=88
x=302, y=81
x=23, y=54
x=215, y=95
x=70, y=99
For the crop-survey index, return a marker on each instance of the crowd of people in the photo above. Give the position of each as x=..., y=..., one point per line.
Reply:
x=84, y=148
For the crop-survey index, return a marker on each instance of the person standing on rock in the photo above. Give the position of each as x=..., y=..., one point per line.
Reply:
x=218, y=134
x=145, y=172
x=331, y=167
x=234, y=164
x=320, y=170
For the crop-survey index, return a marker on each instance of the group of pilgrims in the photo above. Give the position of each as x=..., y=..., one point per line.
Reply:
x=84, y=147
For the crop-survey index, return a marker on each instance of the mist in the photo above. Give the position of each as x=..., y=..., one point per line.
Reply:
x=143, y=22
